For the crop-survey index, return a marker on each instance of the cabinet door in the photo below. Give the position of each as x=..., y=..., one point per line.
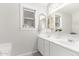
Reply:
x=47, y=48
x=41, y=46
x=56, y=50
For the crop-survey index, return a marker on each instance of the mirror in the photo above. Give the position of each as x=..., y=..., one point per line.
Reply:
x=54, y=22
x=58, y=22
x=42, y=22
x=70, y=17
x=50, y=23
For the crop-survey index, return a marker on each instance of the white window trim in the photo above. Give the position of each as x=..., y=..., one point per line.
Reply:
x=21, y=6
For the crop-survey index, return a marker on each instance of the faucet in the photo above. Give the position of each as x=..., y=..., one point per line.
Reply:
x=71, y=37
x=70, y=40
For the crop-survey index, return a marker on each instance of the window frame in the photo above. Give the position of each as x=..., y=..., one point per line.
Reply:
x=21, y=16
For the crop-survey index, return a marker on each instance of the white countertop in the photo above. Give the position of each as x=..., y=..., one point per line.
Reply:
x=61, y=39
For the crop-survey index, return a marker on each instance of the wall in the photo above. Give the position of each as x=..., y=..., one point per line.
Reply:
x=67, y=23
x=75, y=22
x=10, y=32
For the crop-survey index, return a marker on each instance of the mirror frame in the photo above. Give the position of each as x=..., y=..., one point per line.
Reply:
x=60, y=27
x=39, y=22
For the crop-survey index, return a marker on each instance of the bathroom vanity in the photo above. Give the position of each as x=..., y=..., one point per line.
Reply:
x=64, y=19
x=57, y=46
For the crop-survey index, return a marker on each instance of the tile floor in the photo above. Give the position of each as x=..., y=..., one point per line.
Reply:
x=37, y=54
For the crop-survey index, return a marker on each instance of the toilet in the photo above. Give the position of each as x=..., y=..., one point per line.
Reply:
x=5, y=49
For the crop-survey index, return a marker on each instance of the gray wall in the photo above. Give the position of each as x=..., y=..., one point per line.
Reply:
x=75, y=22
x=66, y=23
x=10, y=32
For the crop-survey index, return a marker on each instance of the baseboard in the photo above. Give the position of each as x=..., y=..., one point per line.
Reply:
x=28, y=53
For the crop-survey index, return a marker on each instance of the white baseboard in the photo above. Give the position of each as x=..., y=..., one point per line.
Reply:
x=28, y=53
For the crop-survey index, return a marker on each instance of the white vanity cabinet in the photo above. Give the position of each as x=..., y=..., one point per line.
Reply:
x=47, y=48
x=41, y=46
x=57, y=50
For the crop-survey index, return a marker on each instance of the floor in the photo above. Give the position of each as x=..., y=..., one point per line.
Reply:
x=37, y=54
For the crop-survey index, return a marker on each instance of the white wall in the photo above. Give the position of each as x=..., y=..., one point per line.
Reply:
x=75, y=22
x=67, y=23
x=21, y=41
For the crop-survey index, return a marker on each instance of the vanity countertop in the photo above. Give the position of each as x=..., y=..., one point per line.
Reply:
x=61, y=39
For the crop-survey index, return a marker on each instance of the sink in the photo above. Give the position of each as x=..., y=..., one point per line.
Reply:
x=70, y=42
x=48, y=35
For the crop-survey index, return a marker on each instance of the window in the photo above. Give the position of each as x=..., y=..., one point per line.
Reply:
x=27, y=18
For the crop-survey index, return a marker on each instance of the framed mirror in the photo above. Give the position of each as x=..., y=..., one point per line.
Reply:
x=58, y=22
x=54, y=22
x=42, y=22
x=51, y=23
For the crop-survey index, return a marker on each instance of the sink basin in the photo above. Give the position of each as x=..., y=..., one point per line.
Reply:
x=47, y=35
x=69, y=41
